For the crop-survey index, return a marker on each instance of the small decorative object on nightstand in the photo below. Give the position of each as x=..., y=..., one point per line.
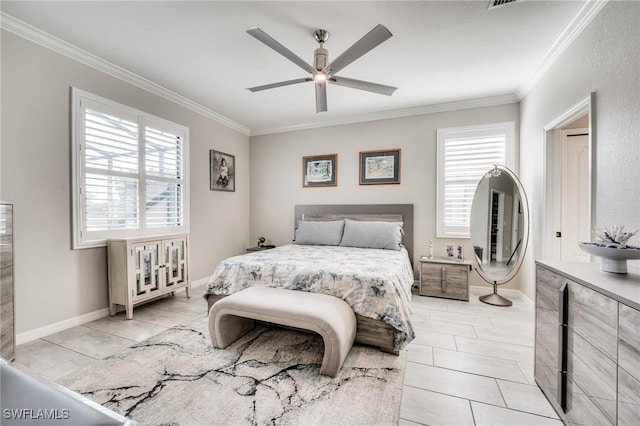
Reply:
x=260, y=248
x=447, y=278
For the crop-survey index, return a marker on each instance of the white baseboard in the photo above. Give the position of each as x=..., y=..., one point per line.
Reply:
x=200, y=282
x=38, y=333
x=41, y=332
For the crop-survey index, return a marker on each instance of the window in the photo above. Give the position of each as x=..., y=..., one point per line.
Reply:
x=465, y=154
x=130, y=172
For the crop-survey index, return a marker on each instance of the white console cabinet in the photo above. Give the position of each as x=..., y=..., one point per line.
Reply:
x=142, y=268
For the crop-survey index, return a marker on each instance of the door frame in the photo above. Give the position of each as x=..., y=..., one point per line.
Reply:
x=550, y=244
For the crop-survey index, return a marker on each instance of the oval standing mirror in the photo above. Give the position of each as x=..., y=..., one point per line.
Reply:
x=499, y=229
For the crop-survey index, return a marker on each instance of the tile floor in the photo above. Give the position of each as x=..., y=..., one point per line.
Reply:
x=470, y=364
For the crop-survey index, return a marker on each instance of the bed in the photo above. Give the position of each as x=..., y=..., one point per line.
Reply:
x=347, y=262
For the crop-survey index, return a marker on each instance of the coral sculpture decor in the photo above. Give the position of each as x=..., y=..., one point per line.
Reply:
x=612, y=248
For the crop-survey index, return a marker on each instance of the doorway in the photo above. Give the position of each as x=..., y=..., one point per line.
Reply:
x=569, y=145
x=574, y=202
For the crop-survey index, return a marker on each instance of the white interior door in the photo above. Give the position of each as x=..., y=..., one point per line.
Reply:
x=575, y=195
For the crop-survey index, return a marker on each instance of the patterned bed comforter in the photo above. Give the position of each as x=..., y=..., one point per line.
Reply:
x=376, y=283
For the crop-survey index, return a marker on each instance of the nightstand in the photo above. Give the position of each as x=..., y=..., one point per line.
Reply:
x=252, y=249
x=446, y=278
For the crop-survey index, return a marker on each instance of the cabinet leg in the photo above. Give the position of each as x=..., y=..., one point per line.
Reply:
x=112, y=309
x=129, y=309
x=187, y=289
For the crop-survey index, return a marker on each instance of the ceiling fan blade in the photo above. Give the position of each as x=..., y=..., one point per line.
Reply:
x=279, y=84
x=275, y=45
x=363, y=85
x=372, y=39
x=321, y=96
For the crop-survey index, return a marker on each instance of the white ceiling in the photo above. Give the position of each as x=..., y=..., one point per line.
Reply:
x=440, y=52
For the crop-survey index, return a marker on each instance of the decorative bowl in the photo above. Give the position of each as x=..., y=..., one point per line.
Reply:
x=612, y=259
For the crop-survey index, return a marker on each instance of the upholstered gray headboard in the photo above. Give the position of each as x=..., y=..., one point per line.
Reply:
x=381, y=212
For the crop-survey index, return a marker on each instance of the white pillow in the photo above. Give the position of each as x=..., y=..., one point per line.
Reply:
x=321, y=233
x=371, y=234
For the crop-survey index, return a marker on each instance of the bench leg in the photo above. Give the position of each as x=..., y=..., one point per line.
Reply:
x=226, y=329
x=335, y=352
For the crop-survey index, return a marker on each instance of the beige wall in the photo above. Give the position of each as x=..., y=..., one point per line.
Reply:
x=53, y=282
x=276, y=171
x=605, y=59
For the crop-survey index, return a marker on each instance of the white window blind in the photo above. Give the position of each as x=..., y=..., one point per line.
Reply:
x=465, y=154
x=130, y=172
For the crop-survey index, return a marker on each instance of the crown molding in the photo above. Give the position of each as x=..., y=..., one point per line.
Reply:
x=578, y=23
x=35, y=35
x=397, y=113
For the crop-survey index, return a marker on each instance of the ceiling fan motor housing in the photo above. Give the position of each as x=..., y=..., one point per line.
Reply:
x=320, y=58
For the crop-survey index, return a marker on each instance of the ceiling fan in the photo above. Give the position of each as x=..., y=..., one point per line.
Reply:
x=324, y=71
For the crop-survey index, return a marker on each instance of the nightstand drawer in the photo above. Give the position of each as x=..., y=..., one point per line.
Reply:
x=444, y=280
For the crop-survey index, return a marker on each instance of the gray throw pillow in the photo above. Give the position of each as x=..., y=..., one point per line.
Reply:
x=379, y=235
x=321, y=233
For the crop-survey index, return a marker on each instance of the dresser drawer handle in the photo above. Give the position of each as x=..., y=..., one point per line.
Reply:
x=443, y=280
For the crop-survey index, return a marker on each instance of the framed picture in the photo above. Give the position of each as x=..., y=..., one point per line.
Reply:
x=451, y=250
x=320, y=170
x=379, y=167
x=459, y=253
x=222, y=171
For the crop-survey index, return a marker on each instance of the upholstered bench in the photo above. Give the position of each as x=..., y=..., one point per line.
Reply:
x=330, y=317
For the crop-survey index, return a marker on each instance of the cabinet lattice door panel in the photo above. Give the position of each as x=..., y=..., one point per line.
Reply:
x=175, y=262
x=146, y=267
x=147, y=270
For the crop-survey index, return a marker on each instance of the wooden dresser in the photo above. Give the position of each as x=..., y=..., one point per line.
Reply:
x=444, y=278
x=7, y=303
x=587, y=343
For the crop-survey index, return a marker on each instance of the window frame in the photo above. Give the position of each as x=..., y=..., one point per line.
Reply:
x=80, y=100
x=507, y=128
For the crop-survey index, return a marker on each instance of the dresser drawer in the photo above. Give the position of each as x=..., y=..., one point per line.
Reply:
x=6, y=251
x=628, y=366
x=594, y=316
x=444, y=280
x=594, y=375
x=628, y=399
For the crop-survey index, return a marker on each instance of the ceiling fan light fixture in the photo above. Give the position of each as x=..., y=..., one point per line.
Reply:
x=320, y=76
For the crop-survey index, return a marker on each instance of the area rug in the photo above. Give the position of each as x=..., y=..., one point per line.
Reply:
x=268, y=377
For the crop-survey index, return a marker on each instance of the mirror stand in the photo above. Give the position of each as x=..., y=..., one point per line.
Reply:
x=499, y=229
x=495, y=299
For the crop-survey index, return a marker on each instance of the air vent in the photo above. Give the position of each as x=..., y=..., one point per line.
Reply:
x=497, y=3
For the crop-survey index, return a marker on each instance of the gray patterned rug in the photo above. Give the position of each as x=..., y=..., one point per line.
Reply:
x=268, y=377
